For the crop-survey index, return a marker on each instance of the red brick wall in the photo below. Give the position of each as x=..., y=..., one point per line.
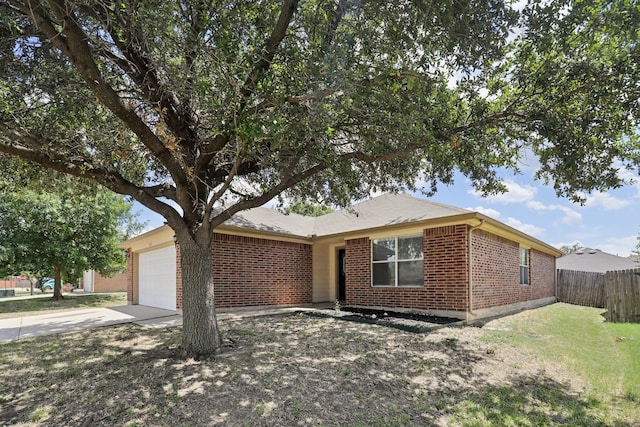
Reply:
x=357, y=264
x=116, y=283
x=543, y=274
x=252, y=272
x=445, y=274
x=496, y=272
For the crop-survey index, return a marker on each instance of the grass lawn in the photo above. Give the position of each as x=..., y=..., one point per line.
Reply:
x=605, y=357
x=41, y=305
x=558, y=365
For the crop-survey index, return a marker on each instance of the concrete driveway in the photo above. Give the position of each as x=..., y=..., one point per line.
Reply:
x=73, y=320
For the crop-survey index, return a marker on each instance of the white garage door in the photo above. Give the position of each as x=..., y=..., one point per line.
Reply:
x=157, y=278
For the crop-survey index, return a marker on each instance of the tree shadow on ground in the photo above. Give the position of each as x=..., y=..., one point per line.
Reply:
x=277, y=370
x=524, y=400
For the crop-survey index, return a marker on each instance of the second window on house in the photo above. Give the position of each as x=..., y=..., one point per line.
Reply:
x=397, y=261
x=524, y=266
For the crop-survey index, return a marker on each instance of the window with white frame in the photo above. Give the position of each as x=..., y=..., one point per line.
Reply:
x=524, y=266
x=397, y=261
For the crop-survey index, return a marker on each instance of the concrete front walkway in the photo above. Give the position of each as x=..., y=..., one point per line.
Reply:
x=73, y=320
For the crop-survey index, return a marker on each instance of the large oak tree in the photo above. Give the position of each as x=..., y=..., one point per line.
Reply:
x=201, y=109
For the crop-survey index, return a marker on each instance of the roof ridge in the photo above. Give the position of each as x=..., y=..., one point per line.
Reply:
x=405, y=195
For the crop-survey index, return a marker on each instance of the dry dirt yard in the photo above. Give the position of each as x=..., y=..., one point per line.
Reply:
x=286, y=370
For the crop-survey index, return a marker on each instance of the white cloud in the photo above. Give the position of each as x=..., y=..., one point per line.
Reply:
x=606, y=201
x=571, y=216
x=530, y=229
x=536, y=205
x=486, y=211
x=632, y=178
x=628, y=175
x=516, y=193
x=621, y=246
x=609, y=202
x=529, y=161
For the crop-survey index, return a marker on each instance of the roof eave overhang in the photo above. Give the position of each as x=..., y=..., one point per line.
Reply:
x=158, y=237
x=265, y=234
x=164, y=234
x=473, y=219
x=496, y=227
x=390, y=228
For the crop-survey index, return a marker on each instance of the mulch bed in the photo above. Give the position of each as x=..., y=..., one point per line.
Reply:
x=407, y=321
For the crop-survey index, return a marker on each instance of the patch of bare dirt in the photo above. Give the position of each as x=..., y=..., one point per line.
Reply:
x=279, y=370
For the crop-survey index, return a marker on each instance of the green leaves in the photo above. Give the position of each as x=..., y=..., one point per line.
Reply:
x=73, y=229
x=198, y=102
x=577, y=79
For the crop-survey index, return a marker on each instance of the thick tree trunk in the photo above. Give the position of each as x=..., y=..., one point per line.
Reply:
x=57, y=284
x=200, y=333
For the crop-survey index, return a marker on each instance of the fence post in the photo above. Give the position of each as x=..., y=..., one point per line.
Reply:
x=623, y=296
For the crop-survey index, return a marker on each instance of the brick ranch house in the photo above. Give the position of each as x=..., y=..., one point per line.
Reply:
x=393, y=251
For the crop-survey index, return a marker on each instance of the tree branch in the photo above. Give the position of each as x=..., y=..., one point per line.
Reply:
x=268, y=195
x=135, y=64
x=209, y=151
x=72, y=41
x=270, y=48
x=83, y=168
x=323, y=93
x=246, y=167
x=227, y=182
x=337, y=18
x=503, y=115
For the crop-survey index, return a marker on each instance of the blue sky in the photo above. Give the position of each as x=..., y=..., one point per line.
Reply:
x=607, y=221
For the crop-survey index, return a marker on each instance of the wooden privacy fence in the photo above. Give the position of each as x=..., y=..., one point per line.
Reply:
x=616, y=291
x=581, y=288
x=623, y=296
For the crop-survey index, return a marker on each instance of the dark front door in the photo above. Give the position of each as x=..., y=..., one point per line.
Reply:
x=342, y=277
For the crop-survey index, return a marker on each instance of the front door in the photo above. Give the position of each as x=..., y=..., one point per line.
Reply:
x=342, y=276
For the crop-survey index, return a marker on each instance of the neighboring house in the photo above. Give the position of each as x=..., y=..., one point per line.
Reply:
x=92, y=281
x=394, y=251
x=594, y=260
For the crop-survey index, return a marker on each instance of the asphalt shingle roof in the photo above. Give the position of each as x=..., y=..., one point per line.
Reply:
x=594, y=260
x=385, y=210
x=266, y=219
